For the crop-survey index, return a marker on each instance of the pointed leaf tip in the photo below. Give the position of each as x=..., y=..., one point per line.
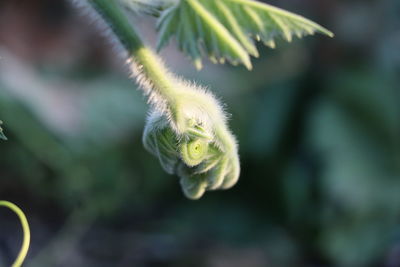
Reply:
x=2, y=136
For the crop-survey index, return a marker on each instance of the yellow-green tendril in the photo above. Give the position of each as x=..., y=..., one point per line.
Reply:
x=194, y=152
x=25, y=227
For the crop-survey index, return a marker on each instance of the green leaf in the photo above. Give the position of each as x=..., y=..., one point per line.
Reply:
x=226, y=29
x=150, y=7
x=2, y=136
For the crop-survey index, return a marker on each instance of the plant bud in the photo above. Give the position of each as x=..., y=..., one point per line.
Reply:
x=195, y=156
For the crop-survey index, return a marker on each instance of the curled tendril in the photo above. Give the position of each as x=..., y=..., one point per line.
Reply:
x=193, y=152
x=26, y=231
x=194, y=142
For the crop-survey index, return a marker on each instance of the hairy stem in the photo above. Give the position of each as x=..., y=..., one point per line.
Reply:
x=149, y=65
x=25, y=227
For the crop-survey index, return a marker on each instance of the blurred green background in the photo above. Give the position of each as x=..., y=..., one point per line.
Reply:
x=318, y=123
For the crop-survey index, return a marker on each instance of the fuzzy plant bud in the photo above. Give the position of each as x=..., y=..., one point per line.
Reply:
x=194, y=143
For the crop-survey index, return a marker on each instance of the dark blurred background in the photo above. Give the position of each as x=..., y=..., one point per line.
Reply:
x=318, y=123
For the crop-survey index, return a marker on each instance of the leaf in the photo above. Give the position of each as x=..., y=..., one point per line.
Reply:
x=2, y=136
x=150, y=7
x=226, y=29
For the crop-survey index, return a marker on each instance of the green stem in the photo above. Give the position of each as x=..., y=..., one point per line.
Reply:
x=149, y=64
x=25, y=227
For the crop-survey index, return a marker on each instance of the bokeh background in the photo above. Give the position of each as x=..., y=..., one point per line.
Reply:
x=318, y=123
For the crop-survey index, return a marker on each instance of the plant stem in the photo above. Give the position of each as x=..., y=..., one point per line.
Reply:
x=148, y=62
x=25, y=227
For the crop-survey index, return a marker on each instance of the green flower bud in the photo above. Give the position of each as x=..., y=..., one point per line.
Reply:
x=204, y=155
